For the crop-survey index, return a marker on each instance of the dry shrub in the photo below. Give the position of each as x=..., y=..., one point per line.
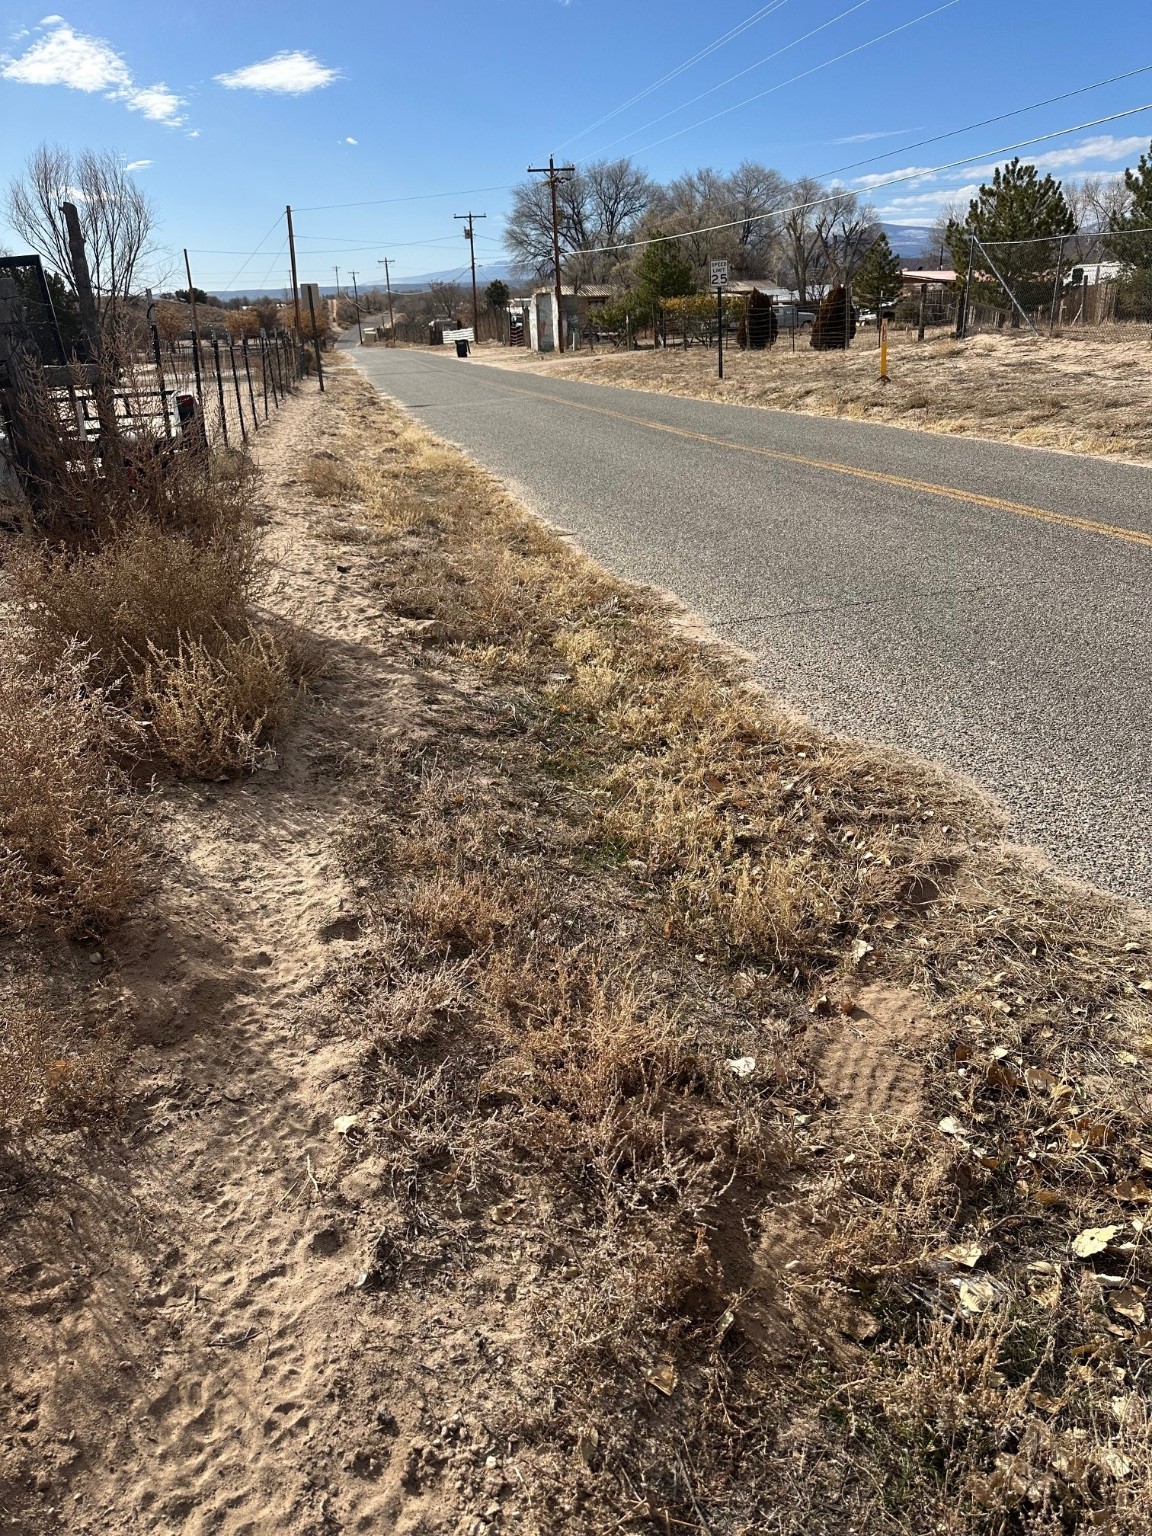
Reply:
x=69, y=845
x=136, y=594
x=152, y=568
x=327, y=478
x=57, y=1068
x=212, y=709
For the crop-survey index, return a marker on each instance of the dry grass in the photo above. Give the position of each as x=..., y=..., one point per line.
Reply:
x=213, y=708
x=621, y=869
x=152, y=568
x=69, y=841
x=58, y=1068
x=1083, y=395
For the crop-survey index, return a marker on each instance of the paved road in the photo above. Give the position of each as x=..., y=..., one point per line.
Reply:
x=952, y=615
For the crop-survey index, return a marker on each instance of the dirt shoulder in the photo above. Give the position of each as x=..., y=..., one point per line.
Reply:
x=1083, y=396
x=571, y=1094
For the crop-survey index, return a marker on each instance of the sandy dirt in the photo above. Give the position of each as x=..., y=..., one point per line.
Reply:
x=180, y=1319
x=1081, y=395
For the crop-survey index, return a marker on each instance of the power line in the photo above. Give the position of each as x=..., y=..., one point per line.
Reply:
x=256, y=252
x=734, y=32
x=916, y=175
x=739, y=75
x=987, y=121
x=816, y=68
x=420, y=197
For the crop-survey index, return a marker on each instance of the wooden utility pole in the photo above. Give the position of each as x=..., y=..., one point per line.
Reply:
x=356, y=294
x=470, y=236
x=383, y=262
x=82, y=280
x=557, y=175
x=295, y=282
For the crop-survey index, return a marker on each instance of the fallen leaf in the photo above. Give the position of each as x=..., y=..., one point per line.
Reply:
x=502, y=1213
x=964, y=1253
x=1001, y=1074
x=860, y=948
x=587, y=1445
x=976, y=1295
x=742, y=1066
x=1129, y=1304
x=663, y=1377
x=1040, y=1077
x=1112, y=1461
x=1137, y=1191
x=714, y=782
x=951, y=1126
x=345, y=1123
x=1093, y=1240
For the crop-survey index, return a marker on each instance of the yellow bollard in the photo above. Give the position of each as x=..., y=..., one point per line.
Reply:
x=884, y=351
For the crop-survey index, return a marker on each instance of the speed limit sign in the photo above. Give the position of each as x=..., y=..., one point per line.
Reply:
x=718, y=274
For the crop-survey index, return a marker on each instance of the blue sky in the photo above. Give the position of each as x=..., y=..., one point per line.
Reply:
x=421, y=110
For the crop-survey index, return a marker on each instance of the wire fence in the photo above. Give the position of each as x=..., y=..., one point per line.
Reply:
x=1084, y=283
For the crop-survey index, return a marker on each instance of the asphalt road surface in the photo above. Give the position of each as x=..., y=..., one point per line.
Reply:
x=984, y=605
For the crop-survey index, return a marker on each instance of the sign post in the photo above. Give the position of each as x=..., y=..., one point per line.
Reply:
x=718, y=279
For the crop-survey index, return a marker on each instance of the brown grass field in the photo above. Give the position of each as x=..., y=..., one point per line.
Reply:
x=572, y=1094
x=1081, y=395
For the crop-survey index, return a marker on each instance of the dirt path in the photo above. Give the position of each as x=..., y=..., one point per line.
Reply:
x=180, y=1317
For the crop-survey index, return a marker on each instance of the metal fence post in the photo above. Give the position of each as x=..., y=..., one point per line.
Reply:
x=220, y=387
x=160, y=379
x=1057, y=287
x=236, y=384
x=248, y=376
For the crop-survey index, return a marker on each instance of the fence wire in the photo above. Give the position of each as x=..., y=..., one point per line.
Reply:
x=1097, y=283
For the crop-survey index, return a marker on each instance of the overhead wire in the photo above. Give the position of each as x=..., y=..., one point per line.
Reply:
x=256, y=252
x=804, y=75
x=918, y=174
x=729, y=36
x=986, y=122
x=739, y=75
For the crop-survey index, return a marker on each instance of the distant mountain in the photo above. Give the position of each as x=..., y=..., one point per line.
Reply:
x=908, y=239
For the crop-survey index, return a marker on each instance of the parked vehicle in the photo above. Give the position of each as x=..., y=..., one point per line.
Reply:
x=790, y=315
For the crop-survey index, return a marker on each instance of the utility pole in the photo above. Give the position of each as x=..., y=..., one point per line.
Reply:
x=356, y=293
x=557, y=175
x=383, y=262
x=295, y=283
x=470, y=236
x=337, y=272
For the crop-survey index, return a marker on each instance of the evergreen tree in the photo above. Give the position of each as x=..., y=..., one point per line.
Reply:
x=1018, y=205
x=663, y=272
x=1135, y=249
x=497, y=294
x=879, y=280
x=835, y=324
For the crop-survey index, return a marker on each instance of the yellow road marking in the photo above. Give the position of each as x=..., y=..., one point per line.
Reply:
x=903, y=482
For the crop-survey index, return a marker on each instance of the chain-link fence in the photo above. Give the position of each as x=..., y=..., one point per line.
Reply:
x=1097, y=283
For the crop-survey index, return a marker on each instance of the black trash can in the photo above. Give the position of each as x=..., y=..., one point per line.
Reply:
x=461, y=348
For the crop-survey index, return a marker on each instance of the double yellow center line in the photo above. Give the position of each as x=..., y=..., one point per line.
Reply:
x=903, y=482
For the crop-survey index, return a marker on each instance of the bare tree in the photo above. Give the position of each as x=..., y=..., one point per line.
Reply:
x=601, y=205
x=447, y=298
x=846, y=228
x=803, y=246
x=1096, y=200
x=117, y=219
x=934, y=249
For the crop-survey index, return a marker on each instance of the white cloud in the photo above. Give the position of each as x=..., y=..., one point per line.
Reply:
x=63, y=56
x=66, y=57
x=138, y=165
x=156, y=102
x=1103, y=151
x=291, y=73
x=867, y=138
x=881, y=178
x=351, y=141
